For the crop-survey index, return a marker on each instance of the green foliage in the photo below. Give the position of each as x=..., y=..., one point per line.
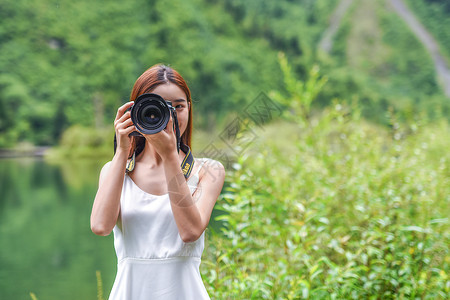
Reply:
x=402, y=62
x=65, y=63
x=356, y=211
x=83, y=142
x=435, y=15
x=336, y=208
x=301, y=94
x=377, y=60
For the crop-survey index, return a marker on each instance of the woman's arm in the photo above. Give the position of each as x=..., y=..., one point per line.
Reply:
x=192, y=212
x=106, y=208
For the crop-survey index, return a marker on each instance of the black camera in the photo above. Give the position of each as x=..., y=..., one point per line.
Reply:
x=150, y=114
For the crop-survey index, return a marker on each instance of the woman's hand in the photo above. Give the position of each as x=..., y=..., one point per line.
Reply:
x=165, y=141
x=123, y=127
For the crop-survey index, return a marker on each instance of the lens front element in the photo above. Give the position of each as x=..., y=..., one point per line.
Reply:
x=150, y=113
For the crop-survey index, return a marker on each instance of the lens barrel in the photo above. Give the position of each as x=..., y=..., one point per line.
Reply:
x=150, y=113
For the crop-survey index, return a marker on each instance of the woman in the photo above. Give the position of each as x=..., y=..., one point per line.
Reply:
x=158, y=217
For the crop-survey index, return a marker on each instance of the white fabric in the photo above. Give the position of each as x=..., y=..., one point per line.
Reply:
x=153, y=260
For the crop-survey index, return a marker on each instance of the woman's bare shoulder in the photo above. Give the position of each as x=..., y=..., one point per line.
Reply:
x=211, y=168
x=104, y=170
x=106, y=166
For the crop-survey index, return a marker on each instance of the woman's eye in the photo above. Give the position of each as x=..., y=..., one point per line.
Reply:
x=179, y=106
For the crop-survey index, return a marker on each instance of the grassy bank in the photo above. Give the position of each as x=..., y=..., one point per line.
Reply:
x=341, y=210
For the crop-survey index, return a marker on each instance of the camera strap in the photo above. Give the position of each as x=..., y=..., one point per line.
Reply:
x=188, y=161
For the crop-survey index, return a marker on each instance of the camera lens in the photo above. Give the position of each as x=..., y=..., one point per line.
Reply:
x=150, y=113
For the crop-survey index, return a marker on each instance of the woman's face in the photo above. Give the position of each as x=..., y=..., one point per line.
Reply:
x=171, y=92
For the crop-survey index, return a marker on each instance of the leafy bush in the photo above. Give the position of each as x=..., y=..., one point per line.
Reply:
x=83, y=142
x=342, y=209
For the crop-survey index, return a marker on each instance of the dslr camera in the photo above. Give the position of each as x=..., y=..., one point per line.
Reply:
x=150, y=114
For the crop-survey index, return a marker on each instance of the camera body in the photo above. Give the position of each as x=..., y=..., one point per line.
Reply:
x=150, y=114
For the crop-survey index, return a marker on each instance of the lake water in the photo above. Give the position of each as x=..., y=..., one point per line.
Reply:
x=46, y=245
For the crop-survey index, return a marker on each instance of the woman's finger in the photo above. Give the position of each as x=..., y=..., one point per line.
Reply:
x=129, y=130
x=121, y=111
x=126, y=116
x=169, y=127
x=124, y=124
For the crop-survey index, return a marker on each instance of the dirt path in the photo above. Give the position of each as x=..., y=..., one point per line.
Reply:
x=428, y=41
x=326, y=43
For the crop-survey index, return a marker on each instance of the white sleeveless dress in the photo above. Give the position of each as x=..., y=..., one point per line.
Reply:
x=153, y=260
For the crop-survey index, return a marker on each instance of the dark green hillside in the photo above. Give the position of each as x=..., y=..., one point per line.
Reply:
x=64, y=63
x=377, y=59
x=435, y=15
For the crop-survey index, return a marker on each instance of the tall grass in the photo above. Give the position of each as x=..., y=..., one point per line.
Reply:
x=33, y=296
x=329, y=206
x=98, y=274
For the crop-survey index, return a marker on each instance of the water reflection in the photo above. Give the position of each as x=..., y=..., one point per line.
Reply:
x=46, y=246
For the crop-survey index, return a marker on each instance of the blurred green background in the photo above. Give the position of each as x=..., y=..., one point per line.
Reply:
x=340, y=192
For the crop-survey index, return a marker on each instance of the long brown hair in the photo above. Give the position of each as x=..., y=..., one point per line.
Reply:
x=149, y=80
